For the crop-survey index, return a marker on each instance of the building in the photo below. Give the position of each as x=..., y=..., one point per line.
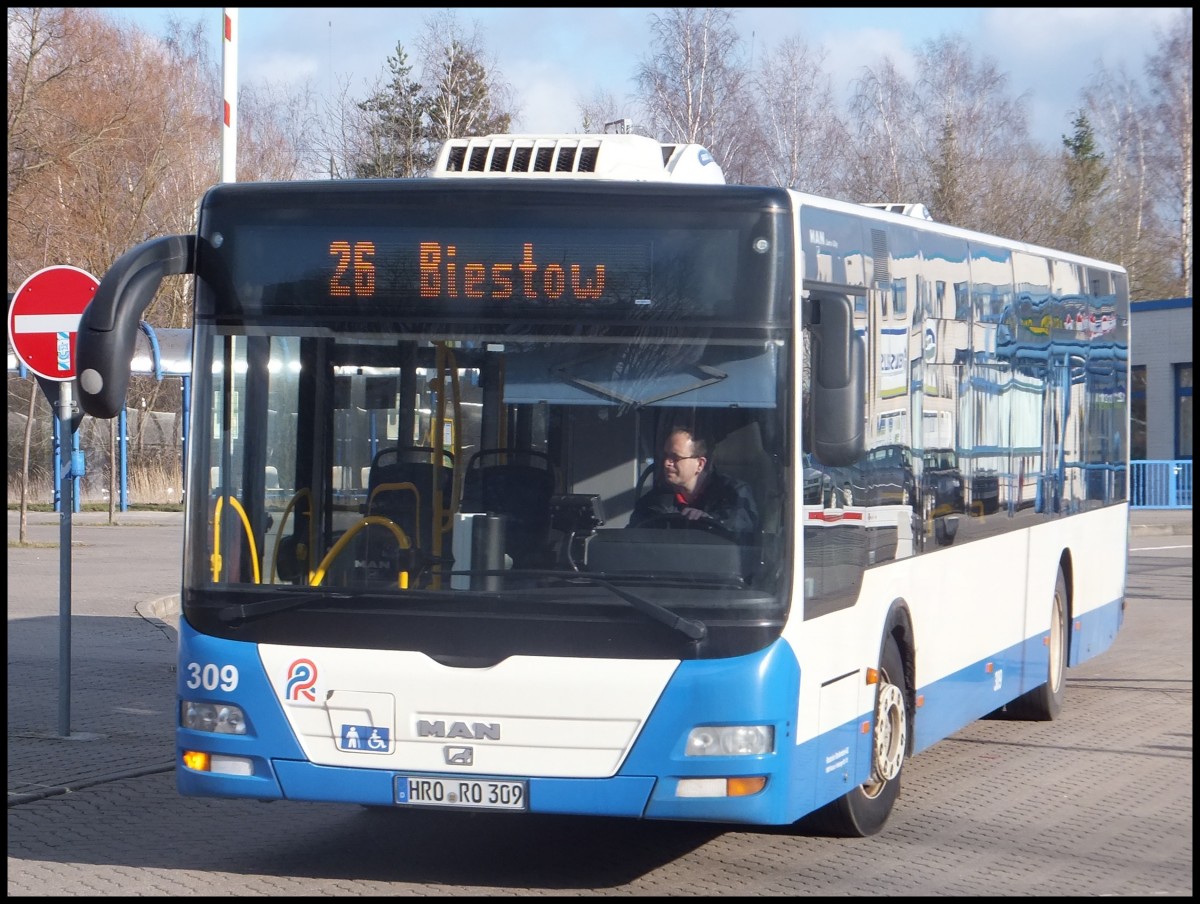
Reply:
x=1161, y=379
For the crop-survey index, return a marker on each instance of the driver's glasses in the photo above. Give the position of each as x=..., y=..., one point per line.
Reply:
x=673, y=459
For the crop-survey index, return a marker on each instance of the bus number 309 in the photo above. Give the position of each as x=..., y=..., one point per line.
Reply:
x=211, y=676
x=461, y=793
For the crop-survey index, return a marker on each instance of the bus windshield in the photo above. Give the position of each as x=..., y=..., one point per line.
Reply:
x=448, y=449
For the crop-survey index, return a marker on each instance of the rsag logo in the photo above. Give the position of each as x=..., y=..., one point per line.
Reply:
x=302, y=675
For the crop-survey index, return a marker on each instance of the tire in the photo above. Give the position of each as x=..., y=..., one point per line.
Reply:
x=1044, y=702
x=865, y=810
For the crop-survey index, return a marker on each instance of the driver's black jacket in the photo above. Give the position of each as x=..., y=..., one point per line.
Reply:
x=724, y=499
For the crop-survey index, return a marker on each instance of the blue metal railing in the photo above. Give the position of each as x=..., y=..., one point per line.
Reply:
x=1165, y=484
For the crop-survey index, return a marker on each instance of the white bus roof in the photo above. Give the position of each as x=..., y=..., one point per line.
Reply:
x=632, y=158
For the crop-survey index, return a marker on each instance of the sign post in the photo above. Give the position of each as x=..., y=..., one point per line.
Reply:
x=43, y=321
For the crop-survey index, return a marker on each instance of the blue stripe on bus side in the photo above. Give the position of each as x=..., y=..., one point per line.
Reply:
x=974, y=691
x=1096, y=631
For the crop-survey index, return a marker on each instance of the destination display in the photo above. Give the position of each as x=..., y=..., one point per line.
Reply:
x=426, y=269
x=490, y=270
x=410, y=250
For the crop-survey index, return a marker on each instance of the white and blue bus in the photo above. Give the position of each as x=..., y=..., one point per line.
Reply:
x=425, y=409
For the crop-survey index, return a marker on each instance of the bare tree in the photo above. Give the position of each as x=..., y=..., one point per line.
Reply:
x=466, y=94
x=1116, y=107
x=343, y=134
x=695, y=87
x=58, y=136
x=113, y=136
x=964, y=103
x=276, y=125
x=600, y=110
x=119, y=146
x=954, y=135
x=84, y=153
x=885, y=163
x=803, y=140
x=1023, y=196
x=1169, y=77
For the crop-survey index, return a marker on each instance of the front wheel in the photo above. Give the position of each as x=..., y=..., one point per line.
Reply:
x=864, y=810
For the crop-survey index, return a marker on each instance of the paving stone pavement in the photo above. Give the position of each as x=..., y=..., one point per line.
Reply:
x=119, y=714
x=108, y=712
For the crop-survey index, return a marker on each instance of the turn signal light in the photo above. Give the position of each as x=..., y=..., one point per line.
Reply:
x=195, y=759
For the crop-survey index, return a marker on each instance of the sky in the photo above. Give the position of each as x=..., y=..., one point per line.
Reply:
x=556, y=57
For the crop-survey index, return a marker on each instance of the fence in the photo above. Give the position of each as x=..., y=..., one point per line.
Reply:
x=150, y=470
x=1165, y=484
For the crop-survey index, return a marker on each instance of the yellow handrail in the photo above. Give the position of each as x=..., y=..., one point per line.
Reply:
x=215, y=559
x=404, y=485
x=312, y=539
x=402, y=578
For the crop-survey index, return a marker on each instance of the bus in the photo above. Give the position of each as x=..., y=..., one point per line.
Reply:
x=423, y=412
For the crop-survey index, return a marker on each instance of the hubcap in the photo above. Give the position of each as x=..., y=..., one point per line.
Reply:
x=891, y=734
x=1056, y=645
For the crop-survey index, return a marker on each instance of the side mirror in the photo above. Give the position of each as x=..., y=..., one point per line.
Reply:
x=839, y=380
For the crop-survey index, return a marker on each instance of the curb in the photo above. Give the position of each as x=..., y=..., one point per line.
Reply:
x=1160, y=530
x=165, y=608
x=24, y=797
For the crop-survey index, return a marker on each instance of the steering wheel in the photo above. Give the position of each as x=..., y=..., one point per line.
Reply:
x=679, y=521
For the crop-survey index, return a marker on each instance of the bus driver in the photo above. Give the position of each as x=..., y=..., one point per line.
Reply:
x=693, y=489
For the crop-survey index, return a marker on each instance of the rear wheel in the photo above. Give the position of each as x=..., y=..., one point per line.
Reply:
x=864, y=810
x=1044, y=703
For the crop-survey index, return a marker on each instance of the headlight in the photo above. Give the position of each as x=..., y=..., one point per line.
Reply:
x=220, y=718
x=731, y=740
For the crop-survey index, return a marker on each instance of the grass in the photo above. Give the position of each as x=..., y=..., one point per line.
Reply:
x=102, y=507
x=155, y=488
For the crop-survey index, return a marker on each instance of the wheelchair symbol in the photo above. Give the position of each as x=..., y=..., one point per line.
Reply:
x=365, y=739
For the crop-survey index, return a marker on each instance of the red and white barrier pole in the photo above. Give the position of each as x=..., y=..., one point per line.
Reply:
x=229, y=66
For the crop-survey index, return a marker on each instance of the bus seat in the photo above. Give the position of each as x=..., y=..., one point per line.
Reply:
x=387, y=495
x=517, y=483
x=740, y=454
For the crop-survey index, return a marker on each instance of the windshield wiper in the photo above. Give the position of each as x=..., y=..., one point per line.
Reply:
x=240, y=612
x=689, y=627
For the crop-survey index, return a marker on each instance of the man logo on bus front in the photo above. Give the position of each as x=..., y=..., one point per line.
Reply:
x=459, y=756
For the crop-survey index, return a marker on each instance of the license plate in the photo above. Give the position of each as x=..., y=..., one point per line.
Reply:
x=472, y=793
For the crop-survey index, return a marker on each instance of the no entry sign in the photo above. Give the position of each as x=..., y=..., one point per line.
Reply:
x=43, y=319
